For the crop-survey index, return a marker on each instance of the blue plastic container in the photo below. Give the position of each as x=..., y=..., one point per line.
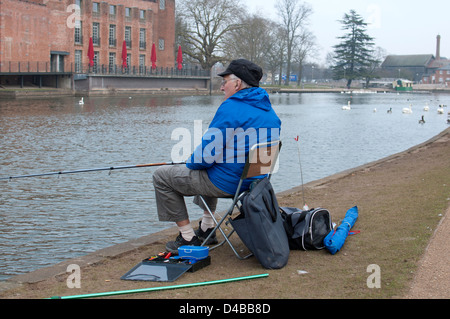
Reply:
x=193, y=252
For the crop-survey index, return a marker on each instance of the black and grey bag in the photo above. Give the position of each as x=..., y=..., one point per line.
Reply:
x=306, y=229
x=260, y=226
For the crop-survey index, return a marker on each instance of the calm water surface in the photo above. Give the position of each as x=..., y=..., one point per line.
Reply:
x=45, y=220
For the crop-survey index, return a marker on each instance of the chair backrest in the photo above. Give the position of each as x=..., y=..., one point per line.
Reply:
x=262, y=159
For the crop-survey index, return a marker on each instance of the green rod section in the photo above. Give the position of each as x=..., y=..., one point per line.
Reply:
x=133, y=291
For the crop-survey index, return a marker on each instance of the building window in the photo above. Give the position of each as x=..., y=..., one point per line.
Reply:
x=112, y=62
x=78, y=34
x=112, y=12
x=128, y=60
x=96, y=61
x=128, y=15
x=142, y=14
x=162, y=4
x=142, y=43
x=96, y=33
x=112, y=35
x=161, y=44
x=78, y=55
x=128, y=36
x=78, y=3
x=141, y=63
x=96, y=9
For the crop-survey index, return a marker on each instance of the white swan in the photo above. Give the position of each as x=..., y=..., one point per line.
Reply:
x=346, y=107
x=407, y=110
x=440, y=110
x=81, y=102
x=426, y=108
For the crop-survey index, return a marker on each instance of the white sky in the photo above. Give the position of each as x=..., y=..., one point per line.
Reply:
x=398, y=26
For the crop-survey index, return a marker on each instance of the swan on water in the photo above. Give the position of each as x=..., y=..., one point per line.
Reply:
x=407, y=110
x=390, y=110
x=346, y=107
x=81, y=102
x=426, y=108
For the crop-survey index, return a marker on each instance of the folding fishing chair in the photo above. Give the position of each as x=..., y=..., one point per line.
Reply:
x=261, y=161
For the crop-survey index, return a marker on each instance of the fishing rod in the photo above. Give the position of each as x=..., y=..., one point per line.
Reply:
x=111, y=168
x=305, y=207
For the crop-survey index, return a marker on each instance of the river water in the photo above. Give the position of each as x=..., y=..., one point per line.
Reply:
x=44, y=220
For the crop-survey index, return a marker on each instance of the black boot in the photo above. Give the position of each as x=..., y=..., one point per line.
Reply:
x=203, y=234
x=173, y=246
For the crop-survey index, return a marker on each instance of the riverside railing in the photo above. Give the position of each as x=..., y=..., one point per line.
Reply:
x=40, y=67
x=31, y=67
x=118, y=70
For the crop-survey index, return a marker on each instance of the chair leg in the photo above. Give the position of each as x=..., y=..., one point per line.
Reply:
x=217, y=227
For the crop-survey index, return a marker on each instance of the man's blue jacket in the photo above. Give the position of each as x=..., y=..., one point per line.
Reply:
x=244, y=119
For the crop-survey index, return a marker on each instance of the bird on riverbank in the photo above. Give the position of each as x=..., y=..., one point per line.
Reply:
x=407, y=110
x=422, y=120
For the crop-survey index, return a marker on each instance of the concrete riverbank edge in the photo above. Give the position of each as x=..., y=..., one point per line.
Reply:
x=24, y=93
x=97, y=257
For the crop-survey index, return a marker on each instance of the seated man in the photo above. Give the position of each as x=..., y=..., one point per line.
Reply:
x=245, y=118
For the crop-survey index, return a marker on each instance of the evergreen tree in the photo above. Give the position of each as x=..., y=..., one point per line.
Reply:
x=354, y=55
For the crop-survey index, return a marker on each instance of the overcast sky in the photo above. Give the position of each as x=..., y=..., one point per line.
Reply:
x=398, y=26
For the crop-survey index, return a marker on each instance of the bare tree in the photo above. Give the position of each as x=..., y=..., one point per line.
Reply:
x=294, y=16
x=203, y=28
x=252, y=40
x=276, y=50
x=304, y=46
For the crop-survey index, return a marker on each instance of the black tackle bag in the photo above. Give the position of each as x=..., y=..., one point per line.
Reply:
x=260, y=225
x=306, y=229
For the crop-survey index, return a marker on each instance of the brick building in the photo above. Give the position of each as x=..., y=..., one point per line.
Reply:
x=439, y=76
x=416, y=67
x=52, y=36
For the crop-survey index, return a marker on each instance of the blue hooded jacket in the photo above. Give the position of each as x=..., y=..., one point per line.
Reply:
x=244, y=119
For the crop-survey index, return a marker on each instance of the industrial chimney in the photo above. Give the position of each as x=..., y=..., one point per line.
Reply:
x=438, y=47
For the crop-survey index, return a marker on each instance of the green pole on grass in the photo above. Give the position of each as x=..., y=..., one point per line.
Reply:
x=133, y=291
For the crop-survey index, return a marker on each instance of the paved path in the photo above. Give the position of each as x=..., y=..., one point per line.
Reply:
x=433, y=277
